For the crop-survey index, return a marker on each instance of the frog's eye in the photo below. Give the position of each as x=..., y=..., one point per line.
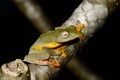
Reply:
x=65, y=34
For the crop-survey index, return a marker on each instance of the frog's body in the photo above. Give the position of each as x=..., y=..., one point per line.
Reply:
x=55, y=41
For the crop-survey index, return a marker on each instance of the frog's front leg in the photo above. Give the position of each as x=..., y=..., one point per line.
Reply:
x=78, y=29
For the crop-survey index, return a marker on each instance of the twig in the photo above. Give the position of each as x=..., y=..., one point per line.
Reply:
x=81, y=71
x=35, y=14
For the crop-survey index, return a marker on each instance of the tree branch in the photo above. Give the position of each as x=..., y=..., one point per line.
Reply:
x=93, y=14
x=35, y=14
x=81, y=71
x=15, y=70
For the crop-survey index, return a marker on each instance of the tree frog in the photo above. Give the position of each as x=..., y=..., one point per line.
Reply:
x=53, y=41
x=55, y=38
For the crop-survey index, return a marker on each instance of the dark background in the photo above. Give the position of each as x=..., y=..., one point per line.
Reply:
x=17, y=34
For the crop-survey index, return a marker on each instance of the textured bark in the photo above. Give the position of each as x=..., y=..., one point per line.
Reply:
x=92, y=13
x=15, y=70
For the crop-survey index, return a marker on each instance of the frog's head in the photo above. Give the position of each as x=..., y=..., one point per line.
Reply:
x=67, y=34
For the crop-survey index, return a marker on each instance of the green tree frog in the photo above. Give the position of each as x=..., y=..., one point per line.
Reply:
x=57, y=37
x=55, y=41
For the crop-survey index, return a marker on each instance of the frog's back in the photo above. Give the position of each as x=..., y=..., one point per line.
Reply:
x=48, y=37
x=57, y=35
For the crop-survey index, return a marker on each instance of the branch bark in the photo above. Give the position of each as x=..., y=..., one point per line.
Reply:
x=35, y=14
x=92, y=13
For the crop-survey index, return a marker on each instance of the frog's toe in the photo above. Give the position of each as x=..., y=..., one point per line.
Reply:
x=54, y=64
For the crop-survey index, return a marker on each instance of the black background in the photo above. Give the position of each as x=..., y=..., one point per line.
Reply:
x=101, y=53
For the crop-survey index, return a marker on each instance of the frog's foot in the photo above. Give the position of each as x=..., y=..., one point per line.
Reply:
x=78, y=29
x=62, y=51
x=64, y=54
x=47, y=62
x=43, y=62
x=54, y=64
